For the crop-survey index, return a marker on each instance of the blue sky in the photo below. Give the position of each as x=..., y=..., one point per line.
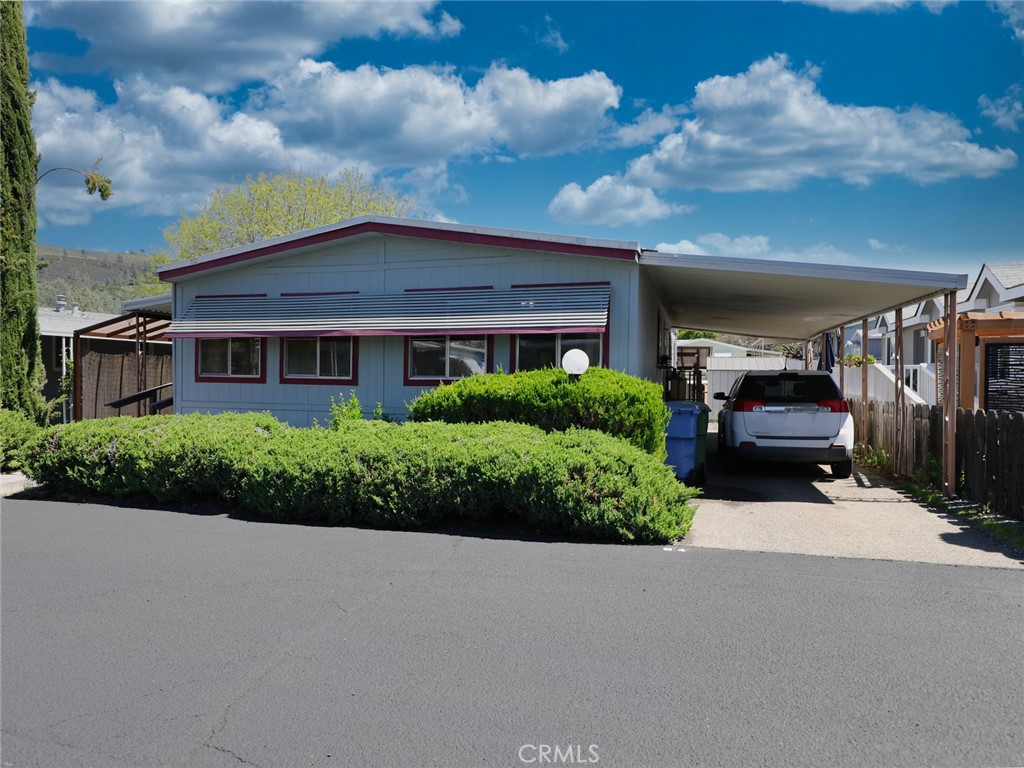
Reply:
x=850, y=131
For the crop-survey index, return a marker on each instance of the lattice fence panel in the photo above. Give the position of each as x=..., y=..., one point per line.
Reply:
x=1004, y=377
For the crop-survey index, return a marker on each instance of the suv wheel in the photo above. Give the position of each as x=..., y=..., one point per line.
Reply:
x=842, y=470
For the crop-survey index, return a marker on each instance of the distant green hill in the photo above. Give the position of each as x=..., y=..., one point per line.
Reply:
x=98, y=281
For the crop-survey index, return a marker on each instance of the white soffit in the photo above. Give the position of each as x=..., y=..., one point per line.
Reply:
x=780, y=299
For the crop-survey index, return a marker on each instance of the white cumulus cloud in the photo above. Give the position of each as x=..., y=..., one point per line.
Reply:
x=756, y=247
x=612, y=202
x=770, y=128
x=1013, y=15
x=648, y=126
x=552, y=37
x=682, y=246
x=166, y=146
x=878, y=6
x=212, y=46
x=743, y=247
x=415, y=115
x=1006, y=111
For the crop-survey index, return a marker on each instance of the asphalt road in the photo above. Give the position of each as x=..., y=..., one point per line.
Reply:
x=136, y=637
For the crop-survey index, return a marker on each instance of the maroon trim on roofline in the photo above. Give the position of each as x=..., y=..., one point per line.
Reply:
x=283, y=378
x=560, y=285
x=426, y=233
x=319, y=293
x=232, y=296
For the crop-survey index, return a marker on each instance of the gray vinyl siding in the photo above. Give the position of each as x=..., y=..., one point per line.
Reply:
x=645, y=350
x=389, y=264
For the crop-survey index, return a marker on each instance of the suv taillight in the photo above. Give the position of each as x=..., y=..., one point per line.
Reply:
x=748, y=405
x=835, y=406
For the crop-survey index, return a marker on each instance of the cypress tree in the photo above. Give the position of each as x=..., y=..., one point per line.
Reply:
x=21, y=362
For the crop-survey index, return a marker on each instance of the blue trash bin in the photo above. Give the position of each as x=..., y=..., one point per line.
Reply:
x=686, y=439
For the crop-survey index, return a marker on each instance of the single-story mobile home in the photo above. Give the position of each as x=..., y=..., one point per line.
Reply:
x=387, y=308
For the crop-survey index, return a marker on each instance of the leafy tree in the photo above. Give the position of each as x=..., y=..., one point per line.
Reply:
x=276, y=205
x=21, y=362
x=685, y=335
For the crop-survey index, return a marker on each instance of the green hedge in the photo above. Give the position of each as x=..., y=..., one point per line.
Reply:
x=166, y=458
x=579, y=483
x=16, y=429
x=609, y=401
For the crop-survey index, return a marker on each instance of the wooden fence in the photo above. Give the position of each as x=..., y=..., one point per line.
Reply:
x=989, y=449
x=107, y=377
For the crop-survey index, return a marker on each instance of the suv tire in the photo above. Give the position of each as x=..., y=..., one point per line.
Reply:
x=842, y=469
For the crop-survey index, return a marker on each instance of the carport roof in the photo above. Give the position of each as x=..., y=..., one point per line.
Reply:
x=780, y=299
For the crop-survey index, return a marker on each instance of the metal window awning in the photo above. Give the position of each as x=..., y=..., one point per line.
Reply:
x=555, y=309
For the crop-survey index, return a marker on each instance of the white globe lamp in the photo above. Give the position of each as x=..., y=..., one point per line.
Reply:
x=575, y=362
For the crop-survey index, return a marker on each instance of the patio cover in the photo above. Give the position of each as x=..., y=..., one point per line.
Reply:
x=138, y=326
x=779, y=299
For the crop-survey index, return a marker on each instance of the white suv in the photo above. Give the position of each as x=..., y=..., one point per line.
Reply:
x=796, y=416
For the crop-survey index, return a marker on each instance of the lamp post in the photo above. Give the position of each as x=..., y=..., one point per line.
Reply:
x=575, y=363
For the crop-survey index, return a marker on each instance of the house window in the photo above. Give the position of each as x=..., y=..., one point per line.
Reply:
x=545, y=350
x=447, y=357
x=326, y=357
x=229, y=359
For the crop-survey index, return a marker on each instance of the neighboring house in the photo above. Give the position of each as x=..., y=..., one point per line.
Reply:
x=387, y=308
x=997, y=288
x=57, y=326
x=108, y=359
x=722, y=349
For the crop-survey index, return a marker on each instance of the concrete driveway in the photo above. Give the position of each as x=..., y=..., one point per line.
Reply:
x=804, y=510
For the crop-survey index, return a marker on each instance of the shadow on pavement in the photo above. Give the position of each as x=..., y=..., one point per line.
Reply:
x=753, y=481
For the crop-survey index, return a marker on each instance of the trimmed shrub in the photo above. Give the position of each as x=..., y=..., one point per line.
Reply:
x=166, y=458
x=16, y=429
x=580, y=483
x=605, y=400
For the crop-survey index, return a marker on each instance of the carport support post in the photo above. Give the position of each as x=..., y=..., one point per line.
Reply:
x=864, y=381
x=968, y=338
x=949, y=399
x=897, y=453
x=840, y=361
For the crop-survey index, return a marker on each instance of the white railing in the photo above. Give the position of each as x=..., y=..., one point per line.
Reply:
x=881, y=385
x=921, y=379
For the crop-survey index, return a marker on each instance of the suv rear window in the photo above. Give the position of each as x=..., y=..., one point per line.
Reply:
x=789, y=389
